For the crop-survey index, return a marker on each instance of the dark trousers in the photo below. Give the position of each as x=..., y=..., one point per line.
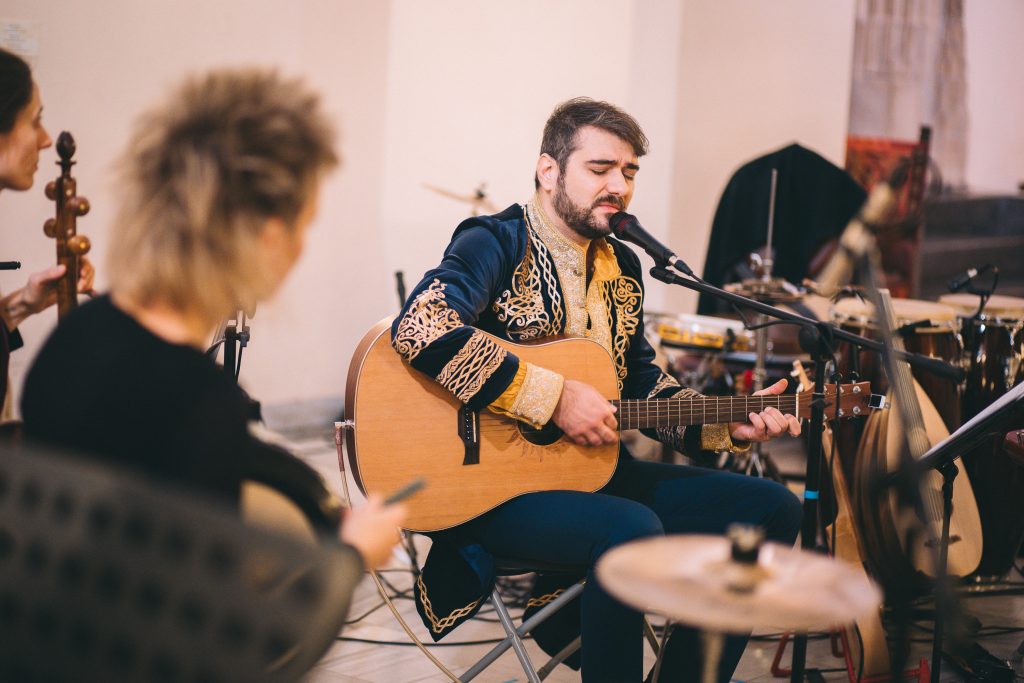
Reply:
x=643, y=499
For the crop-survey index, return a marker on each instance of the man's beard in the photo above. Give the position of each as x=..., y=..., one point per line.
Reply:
x=582, y=220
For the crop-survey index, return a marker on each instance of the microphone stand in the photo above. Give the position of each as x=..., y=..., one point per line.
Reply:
x=235, y=336
x=818, y=343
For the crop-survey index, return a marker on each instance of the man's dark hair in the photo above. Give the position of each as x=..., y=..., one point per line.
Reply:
x=569, y=117
x=15, y=88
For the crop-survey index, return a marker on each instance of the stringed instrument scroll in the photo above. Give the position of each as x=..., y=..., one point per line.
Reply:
x=71, y=246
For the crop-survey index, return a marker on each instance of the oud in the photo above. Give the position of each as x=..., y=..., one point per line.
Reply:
x=406, y=426
x=62, y=228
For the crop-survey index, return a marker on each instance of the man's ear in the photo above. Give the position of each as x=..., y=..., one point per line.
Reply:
x=547, y=172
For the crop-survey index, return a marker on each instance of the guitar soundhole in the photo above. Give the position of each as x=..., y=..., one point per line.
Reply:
x=545, y=436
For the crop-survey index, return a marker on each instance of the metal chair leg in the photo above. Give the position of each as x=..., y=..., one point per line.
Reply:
x=513, y=636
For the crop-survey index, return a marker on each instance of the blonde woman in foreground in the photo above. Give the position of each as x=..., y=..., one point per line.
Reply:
x=219, y=185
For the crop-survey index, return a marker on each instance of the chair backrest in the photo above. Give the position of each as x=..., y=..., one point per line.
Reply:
x=104, y=577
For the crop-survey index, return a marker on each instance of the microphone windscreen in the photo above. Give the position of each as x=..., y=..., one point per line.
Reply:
x=618, y=223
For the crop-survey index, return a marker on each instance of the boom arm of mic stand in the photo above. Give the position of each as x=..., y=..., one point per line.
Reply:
x=932, y=365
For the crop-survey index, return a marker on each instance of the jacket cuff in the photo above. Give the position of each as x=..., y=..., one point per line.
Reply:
x=716, y=437
x=531, y=396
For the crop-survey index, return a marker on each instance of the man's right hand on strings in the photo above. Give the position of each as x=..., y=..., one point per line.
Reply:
x=586, y=417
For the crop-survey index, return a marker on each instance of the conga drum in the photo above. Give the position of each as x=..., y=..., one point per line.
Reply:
x=928, y=328
x=993, y=345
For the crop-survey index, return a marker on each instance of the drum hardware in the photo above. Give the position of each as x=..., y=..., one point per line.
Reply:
x=815, y=328
x=859, y=250
x=992, y=328
x=927, y=328
x=862, y=254
x=734, y=585
x=478, y=200
x=966, y=282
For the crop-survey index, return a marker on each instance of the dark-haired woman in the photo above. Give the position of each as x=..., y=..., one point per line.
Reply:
x=22, y=137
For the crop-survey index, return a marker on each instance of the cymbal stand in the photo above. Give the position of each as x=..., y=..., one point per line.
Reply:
x=754, y=464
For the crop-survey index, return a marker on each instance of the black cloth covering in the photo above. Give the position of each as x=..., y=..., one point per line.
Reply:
x=814, y=201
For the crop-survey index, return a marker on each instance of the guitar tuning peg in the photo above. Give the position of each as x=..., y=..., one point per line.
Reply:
x=50, y=227
x=51, y=190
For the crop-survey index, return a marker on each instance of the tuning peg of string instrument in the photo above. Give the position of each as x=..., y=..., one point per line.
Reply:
x=51, y=190
x=79, y=245
x=79, y=205
x=50, y=227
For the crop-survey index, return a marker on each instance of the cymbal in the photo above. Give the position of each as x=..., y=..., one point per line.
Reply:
x=477, y=199
x=692, y=580
x=774, y=290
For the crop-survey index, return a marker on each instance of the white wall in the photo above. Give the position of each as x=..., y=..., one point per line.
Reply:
x=995, y=94
x=101, y=65
x=754, y=76
x=470, y=85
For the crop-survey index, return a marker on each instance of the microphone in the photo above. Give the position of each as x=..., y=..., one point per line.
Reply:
x=859, y=236
x=961, y=281
x=627, y=228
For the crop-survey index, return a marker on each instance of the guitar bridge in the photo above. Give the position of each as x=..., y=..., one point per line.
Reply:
x=469, y=432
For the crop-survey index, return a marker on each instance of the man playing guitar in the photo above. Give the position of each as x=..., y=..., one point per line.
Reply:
x=549, y=269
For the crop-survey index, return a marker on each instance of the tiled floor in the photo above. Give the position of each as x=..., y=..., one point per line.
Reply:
x=351, y=661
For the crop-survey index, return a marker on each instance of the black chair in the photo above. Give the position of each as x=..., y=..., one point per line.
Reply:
x=106, y=577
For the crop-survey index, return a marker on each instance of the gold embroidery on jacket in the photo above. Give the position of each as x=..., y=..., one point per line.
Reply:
x=673, y=436
x=570, y=260
x=522, y=308
x=663, y=383
x=472, y=366
x=439, y=625
x=427, y=319
x=622, y=295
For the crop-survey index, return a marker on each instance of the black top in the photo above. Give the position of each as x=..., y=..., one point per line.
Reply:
x=105, y=386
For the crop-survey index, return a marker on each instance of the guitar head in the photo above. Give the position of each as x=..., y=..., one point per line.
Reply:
x=854, y=398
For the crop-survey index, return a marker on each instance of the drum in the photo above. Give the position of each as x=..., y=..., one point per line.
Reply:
x=695, y=346
x=993, y=345
x=927, y=328
x=993, y=349
x=708, y=354
x=700, y=332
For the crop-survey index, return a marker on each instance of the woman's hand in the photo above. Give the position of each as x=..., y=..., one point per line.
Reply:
x=373, y=529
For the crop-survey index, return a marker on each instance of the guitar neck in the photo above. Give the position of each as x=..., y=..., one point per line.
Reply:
x=672, y=412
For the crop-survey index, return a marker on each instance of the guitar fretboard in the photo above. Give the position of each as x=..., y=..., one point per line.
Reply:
x=669, y=412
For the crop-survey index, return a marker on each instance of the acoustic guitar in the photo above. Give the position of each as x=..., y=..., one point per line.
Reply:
x=406, y=426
